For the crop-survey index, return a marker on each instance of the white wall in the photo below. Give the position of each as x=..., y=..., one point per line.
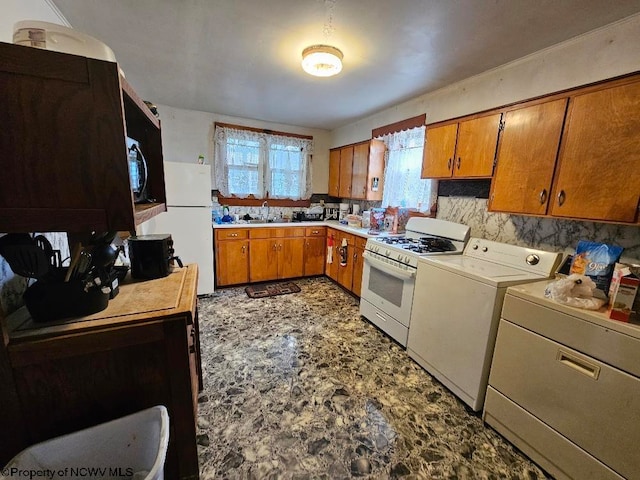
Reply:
x=607, y=52
x=12, y=11
x=189, y=133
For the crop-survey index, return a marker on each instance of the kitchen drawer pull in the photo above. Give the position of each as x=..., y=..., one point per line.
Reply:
x=381, y=317
x=315, y=232
x=586, y=368
x=561, y=197
x=543, y=196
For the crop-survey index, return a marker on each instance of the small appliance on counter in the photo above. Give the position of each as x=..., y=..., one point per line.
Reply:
x=344, y=211
x=82, y=287
x=152, y=256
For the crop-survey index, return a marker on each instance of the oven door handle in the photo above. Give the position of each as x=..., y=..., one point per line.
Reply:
x=385, y=267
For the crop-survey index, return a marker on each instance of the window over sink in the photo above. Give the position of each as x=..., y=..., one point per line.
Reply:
x=262, y=164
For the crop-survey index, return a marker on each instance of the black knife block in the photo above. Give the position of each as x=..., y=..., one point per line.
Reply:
x=49, y=301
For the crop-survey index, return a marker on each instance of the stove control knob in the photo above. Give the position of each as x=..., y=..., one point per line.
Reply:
x=484, y=249
x=533, y=259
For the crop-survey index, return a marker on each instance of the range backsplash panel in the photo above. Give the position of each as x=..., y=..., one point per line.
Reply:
x=536, y=232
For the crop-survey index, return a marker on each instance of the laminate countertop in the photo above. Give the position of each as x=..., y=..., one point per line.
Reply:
x=362, y=232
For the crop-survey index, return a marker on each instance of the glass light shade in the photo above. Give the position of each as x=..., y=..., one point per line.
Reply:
x=321, y=60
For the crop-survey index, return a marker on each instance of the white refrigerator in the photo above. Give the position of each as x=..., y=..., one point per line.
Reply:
x=188, y=218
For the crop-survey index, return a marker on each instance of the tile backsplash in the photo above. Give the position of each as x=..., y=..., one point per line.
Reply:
x=536, y=232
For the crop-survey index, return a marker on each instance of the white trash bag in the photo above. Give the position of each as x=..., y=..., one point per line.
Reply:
x=576, y=291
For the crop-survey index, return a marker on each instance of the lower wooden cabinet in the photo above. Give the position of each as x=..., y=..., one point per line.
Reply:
x=314, y=251
x=348, y=276
x=251, y=255
x=232, y=256
x=358, y=265
x=142, y=350
x=276, y=253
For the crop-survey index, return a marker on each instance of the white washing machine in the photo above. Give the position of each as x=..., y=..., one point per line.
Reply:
x=456, y=310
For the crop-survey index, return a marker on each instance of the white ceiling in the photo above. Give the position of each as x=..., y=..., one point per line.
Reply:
x=242, y=57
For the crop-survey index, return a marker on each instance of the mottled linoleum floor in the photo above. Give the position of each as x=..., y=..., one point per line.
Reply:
x=299, y=386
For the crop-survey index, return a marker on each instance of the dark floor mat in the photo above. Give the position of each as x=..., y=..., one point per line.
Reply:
x=260, y=291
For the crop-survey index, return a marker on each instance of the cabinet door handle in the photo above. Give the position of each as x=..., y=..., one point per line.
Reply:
x=458, y=163
x=561, y=197
x=449, y=164
x=244, y=247
x=543, y=196
x=280, y=247
x=583, y=366
x=275, y=247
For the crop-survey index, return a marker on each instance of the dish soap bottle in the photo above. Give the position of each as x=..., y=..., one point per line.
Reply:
x=226, y=218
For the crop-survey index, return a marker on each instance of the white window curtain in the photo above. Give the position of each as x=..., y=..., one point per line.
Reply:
x=260, y=164
x=403, y=186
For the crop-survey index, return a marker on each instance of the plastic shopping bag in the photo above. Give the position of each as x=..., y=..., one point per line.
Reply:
x=576, y=291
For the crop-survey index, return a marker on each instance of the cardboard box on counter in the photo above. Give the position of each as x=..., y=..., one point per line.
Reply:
x=624, y=301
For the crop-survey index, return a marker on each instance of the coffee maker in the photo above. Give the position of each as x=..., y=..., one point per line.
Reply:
x=344, y=211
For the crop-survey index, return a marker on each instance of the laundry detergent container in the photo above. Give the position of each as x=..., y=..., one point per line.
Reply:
x=129, y=447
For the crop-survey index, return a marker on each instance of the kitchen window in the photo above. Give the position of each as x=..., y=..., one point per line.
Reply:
x=403, y=186
x=260, y=164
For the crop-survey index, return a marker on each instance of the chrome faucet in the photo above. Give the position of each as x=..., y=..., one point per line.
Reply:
x=266, y=204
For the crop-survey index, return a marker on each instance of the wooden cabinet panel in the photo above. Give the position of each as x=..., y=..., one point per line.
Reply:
x=334, y=172
x=598, y=173
x=263, y=260
x=291, y=257
x=232, y=262
x=331, y=269
x=465, y=149
x=232, y=233
x=476, y=146
x=346, y=170
x=526, y=158
x=65, y=119
x=315, y=250
x=314, y=255
x=71, y=376
x=375, y=172
x=359, y=171
x=439, y=151
x=358, y=264
x=345, y=272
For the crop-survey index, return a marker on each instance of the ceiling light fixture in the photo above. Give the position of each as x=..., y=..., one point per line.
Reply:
x=322, y=60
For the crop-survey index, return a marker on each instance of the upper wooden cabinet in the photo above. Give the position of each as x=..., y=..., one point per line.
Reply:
x=357, y=171
x=582, y=164
x=598, y=173
x=63, y=153
x=346, y=169
x=334, y=172
x=465, y=149
x=527, y=157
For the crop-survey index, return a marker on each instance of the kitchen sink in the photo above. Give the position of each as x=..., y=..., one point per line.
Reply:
x=258, y=220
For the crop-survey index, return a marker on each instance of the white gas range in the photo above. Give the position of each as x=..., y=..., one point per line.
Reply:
x=390, y=266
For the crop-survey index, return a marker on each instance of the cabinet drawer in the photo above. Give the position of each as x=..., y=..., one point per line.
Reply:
x=276, y=232
x=315, y=231
x=585, y=400
x=231, y=234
